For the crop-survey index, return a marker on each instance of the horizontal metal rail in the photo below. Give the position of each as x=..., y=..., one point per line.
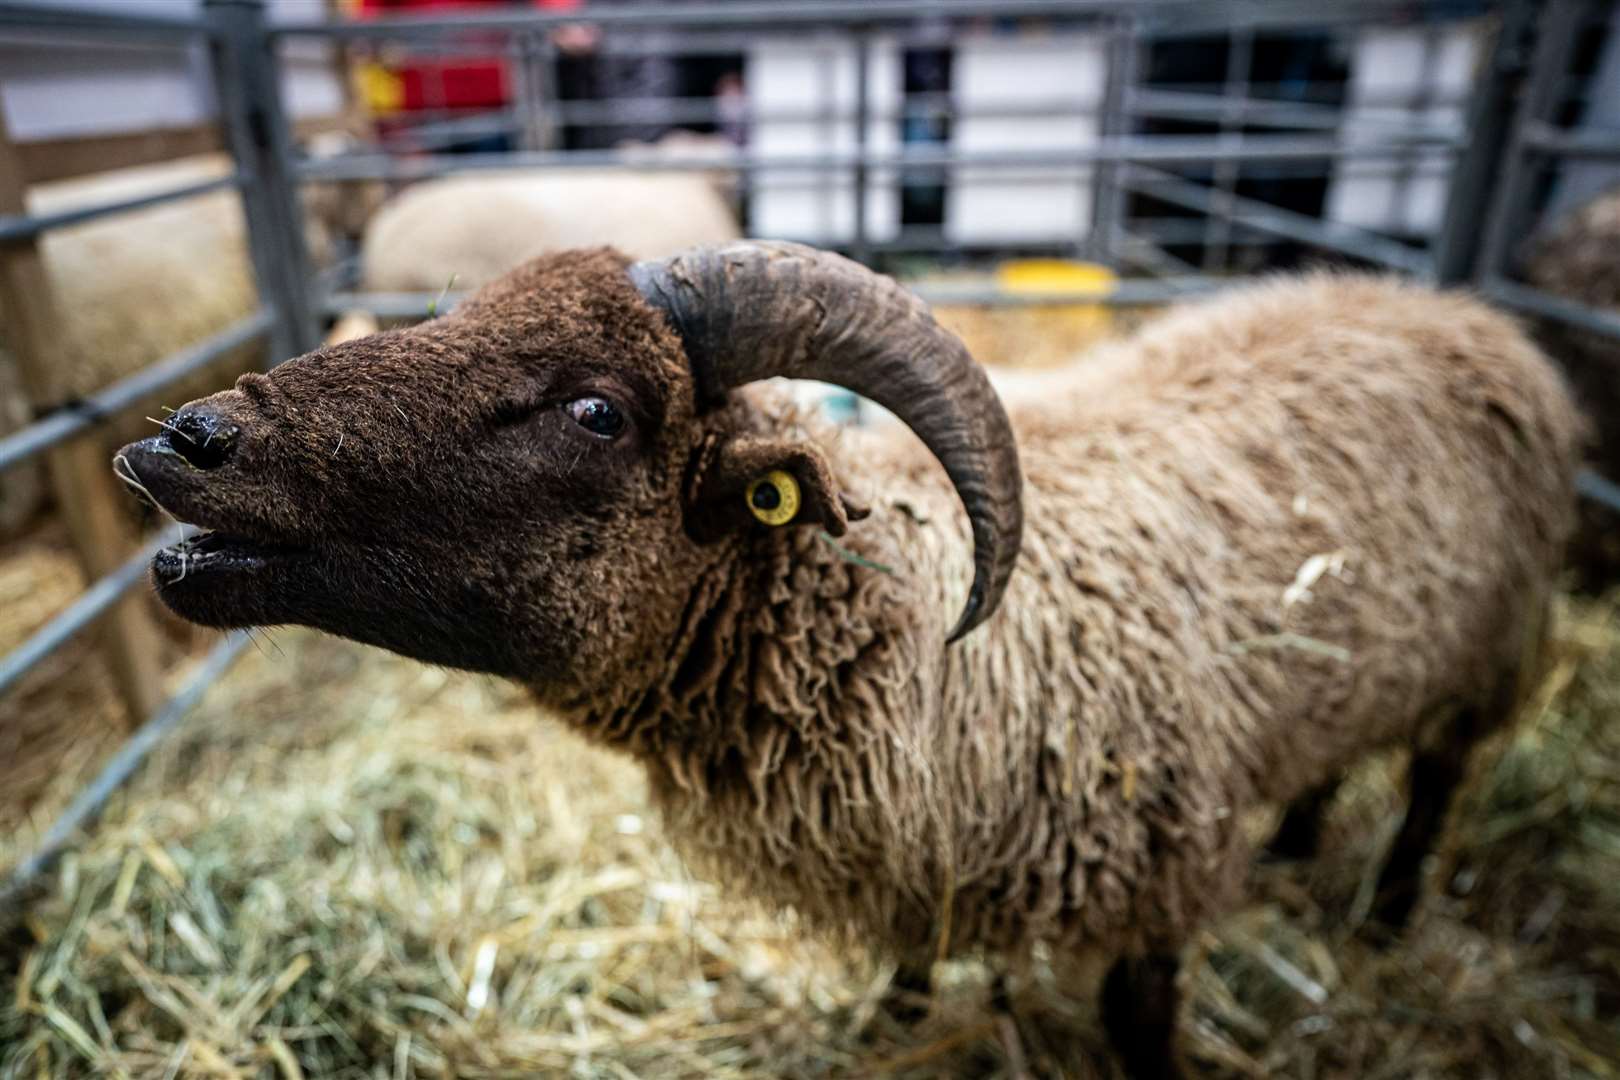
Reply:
x=14, y=227
x=1536, y=302
x=83, y=809
x=1333, y=236
x=1168, y=105
x=1213, y=107
x=1159, y=16
x=70, y=420
x=1546, y=138
x=17, y=16
x=66, y=624
x=1192, y=19
x=1168, y=149
x=413, y=305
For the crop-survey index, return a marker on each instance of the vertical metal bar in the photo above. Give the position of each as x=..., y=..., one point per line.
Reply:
x=1234, y=96
x=1509, y=202
x=1408, y=167
x=860, y=248
x=520, y=60
x=544, y=83
x=247, y=86
x=1475, y=170
x=1108, y=194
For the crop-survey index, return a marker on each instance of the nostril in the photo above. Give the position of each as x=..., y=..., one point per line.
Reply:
x=201, y=436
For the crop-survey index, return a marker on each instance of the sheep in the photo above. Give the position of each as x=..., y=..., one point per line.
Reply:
x=1274, y=532
x=476, y=228
x=1576, y=258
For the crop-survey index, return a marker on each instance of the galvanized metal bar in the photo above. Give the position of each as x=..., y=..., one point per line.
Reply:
x=1332, y=236
x=90, y=605
x=1143, y=252
x=1544, y=138
x=1190, y=230
x=76, y=21
x=1169, y=149
x=1171, y=16
x=1108, y=196
x=71, y=420
x=1476, y=170
x=1158, y=104
x=18, y=227
x=861, y=172
x=23, y=877
x=1218, y=230
x=1194, y=20
x=1535, y=302
x=1261, y=112
x=1406, y=170
x=1505, y=223
x=1320, y=94
x=246, y=81
x=526, y=117
x=395, y=305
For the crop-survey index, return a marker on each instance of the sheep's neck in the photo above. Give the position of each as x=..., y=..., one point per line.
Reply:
x=777, y=643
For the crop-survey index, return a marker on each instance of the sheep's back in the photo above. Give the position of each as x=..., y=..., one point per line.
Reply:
x=1409, y=451
x=1266, y=536
x=478, y=227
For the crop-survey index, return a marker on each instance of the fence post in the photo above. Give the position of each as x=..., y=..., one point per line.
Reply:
x=1476, y=173
x=1108, y=194
x=860, y=246
x=80, y=472
x=248, y=91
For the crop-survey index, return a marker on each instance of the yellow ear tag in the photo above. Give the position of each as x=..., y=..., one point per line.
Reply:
x=774, y=498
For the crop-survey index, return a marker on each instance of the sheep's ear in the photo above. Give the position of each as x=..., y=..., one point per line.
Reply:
x=749, y=482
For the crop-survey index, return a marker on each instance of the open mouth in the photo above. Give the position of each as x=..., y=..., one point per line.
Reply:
x=209, y=553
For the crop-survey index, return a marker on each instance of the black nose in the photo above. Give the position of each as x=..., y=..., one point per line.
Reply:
x=201, y=436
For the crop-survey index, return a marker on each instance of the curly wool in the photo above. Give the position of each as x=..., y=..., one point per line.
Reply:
x=1275, y=531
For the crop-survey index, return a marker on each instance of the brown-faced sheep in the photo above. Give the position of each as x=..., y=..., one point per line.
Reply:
x=1578, y=258
x=1277, y=530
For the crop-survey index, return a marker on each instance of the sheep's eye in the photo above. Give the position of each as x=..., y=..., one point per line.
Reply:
x=599, y=416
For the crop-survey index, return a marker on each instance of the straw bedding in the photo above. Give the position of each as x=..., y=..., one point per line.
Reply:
x=350, y=865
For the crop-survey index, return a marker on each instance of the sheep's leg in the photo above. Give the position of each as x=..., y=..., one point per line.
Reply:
x=1300, y=834
x=1437, y=773
x=1139, y=1006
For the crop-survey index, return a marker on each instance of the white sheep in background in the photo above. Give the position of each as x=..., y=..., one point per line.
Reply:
x=476, y=227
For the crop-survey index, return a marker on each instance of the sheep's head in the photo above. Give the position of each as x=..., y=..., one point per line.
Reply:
x=533, y=484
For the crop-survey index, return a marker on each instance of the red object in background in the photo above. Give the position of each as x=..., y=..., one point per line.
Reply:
x=462, y=83
x=365, y=9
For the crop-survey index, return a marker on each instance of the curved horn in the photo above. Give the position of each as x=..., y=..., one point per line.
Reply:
x=756, y=309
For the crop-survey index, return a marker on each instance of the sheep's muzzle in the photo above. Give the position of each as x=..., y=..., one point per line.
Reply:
x=231, y=571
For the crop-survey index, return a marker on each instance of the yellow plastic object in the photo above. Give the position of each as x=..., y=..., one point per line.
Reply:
x=1057, y=277
x=774, y=498
x=1037, y=334
x=382, y=90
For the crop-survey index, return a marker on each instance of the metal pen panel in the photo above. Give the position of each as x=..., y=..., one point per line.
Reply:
x=67, y=422
x=90, y=605
x=16, y=227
